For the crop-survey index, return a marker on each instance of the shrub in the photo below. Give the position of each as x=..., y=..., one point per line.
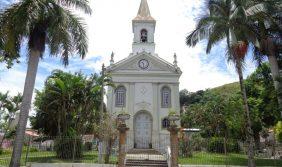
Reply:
x=33, y=149
x=233, y=146
x=216, y=145
x=64, y=147
x=1, y=151
x=88, y=146
x=197, y=142
x=278, y=131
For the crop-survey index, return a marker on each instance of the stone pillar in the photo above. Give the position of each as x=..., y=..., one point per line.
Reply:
x=122, y=142
x=173, y=129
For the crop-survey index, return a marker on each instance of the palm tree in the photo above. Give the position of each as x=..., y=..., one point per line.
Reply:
x=226, y=21
x=264, y=19
x=40, y=22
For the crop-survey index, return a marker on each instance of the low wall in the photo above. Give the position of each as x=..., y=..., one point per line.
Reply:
x=68, y=165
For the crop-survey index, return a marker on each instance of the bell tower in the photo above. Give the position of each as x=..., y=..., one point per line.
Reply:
x=143, y=26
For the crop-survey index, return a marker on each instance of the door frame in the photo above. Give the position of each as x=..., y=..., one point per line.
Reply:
x=134, y=128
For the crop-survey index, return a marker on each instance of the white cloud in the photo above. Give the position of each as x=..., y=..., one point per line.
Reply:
x=110, y=29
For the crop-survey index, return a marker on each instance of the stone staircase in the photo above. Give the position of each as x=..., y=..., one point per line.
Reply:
x=147, y=163
x=145, y=157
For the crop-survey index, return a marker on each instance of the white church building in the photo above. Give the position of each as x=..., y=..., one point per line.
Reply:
x=147, y=86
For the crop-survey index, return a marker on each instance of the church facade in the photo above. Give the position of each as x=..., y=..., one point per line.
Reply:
x=146, y=86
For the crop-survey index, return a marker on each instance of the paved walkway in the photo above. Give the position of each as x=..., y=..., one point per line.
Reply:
x=68, y=165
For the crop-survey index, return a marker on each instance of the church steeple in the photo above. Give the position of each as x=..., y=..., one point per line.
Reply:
x=144, y=12
x=144, y=29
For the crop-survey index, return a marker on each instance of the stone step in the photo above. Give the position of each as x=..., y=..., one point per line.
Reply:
x=143, y=151
x=148, y=163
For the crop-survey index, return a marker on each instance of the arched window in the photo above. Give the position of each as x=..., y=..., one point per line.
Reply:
x=166, y=97
x=144, y=35
x=120, y=96
x=165, y=123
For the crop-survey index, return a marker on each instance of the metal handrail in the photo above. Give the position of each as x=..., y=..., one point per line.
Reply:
x=168, y=156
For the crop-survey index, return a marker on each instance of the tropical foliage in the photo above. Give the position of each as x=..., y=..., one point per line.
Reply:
x=234, y=21
x=9, y=107
x=41, y=23
x=68, y=107
x=218, y=112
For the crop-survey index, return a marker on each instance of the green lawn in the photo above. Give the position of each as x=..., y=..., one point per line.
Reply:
x=204, y=158
x=50, y=157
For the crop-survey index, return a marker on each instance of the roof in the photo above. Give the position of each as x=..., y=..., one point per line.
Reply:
x=144, y=12
x=159, y=64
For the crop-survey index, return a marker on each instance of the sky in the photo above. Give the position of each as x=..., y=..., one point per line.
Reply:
x=109, y=29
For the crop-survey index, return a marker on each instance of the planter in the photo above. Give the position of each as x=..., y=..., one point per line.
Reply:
x=123, y=117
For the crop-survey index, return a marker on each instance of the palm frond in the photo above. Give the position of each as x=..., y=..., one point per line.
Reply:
x=80, y=4
x=217, y=34
x=203, y=29
x=258, y=8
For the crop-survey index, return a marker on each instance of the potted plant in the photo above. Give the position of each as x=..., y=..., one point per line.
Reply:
x=172, y=117
x=123, y=116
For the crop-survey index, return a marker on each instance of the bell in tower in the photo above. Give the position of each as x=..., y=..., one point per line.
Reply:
x=144, y=29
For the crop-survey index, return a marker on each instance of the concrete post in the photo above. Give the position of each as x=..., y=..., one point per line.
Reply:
x=173, y=129
x=122, y=141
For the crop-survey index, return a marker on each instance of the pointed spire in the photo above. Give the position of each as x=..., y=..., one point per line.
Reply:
x=144, y=12
x=175, y=60
x=112, y=58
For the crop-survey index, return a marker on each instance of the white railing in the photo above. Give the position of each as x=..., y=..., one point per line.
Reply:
x=168, y=156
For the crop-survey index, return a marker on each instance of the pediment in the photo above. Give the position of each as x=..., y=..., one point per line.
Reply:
x=131, y=64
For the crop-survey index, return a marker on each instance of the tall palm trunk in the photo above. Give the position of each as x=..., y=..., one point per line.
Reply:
x=250, y=136
x=25, y=107
x=275, y=75
x=268, y=47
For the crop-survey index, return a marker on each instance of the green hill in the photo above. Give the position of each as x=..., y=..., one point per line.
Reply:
x=231, y=88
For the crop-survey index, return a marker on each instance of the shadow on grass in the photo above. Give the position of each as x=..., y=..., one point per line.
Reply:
x=203, y=158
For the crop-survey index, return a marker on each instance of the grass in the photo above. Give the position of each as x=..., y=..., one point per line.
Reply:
x=204, y=158
x=198, y=158
x=50, y=157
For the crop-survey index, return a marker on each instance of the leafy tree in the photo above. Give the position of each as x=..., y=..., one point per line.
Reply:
x=187, y=98
x=41, y=23
x=8, y=108
x=262, y=100
x=68, y=107
x=278, y=131
x=108, y=125
x=69, y=103
x=227, y=20
x=268, y=34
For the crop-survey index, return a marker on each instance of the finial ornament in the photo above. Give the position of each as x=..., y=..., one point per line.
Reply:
x=175, y=60
x=112, y=58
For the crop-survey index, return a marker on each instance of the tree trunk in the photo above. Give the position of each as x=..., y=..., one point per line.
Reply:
x=108, y=151
x=25, y=107
x=249, y=135
x=275, y=75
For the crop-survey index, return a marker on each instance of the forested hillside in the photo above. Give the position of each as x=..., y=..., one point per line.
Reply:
x=219, y=111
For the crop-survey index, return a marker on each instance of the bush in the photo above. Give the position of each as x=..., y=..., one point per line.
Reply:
x=197, y=142
x=64, y=147
x=88, y=146
x=233, y=146
x=1, y=151
x=278, y=131
x=216, y=145
x=33, y=149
